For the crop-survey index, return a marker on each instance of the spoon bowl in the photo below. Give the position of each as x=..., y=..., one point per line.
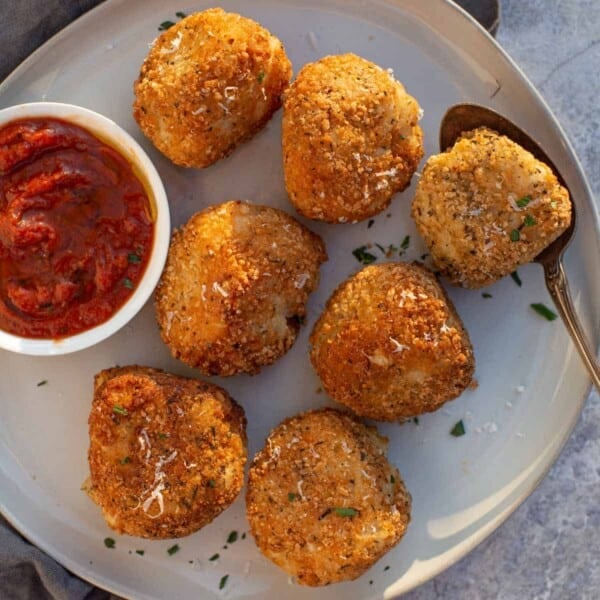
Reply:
x=466, y=117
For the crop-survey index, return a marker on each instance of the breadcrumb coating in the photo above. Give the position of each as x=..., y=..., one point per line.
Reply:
x=390, y=345
x=209, y=83
x=323, y=502
x=233, y=294
x=350, y=139
x=486, y=206
x=166, y=454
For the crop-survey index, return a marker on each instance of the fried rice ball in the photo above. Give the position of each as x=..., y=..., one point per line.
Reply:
x=390, y=345
x=166, y=454
x=486, y=206
x=209, y=83
x=233, y=294
x=350, y=139
x=323, y=502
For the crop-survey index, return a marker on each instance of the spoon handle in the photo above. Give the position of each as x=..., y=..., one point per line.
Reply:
x=556, y=281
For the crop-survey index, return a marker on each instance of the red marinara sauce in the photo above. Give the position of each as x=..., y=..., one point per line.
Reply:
x=76, y=229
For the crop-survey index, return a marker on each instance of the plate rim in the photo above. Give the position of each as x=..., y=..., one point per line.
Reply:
x=93, y=578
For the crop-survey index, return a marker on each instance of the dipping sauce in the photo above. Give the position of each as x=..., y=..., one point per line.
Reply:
x=76, y=229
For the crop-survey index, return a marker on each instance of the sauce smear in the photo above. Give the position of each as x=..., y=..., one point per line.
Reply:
x=76, y=229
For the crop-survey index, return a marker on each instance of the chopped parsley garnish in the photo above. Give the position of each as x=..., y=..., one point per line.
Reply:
x=392, y=479
x=223, y=581
x=342, y=511
x=140, y=552
x=180, y=14
x=214, y=557
x=544, y=311
x=370, y=223
x=109, y=542
x=165, y=25
x=212, y=483
x=126, y=460
x=292, y=496
x=524, y=201
x=41, y=383
x=232, y=537
x=458, y=429
x=260, y=77
x=173, y=550
x=486, y=295
x=516, y=278
x=163, y=436
x=120, y=410
x=362, y=256
x=416, y=420
x=386, y=568
x=128, y=283
x=371, y=582
x=515, y=235
x=529, y=221
x=133, y=258
x=405, y=242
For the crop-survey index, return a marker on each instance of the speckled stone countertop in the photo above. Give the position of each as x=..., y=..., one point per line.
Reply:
x=550, y=547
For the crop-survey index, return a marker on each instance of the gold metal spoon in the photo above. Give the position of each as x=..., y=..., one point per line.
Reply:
x=465, y=117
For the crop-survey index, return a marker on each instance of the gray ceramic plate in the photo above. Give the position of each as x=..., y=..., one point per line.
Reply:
x=531, y=383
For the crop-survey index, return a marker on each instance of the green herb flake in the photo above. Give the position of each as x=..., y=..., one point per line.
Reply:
x=223, y=581
x=486, y=295
x=524, y=201
x=133, y=258
x=386, y=568
x=232, y=537
x=173, y=550
x=244, y=535
x=126, y=460
x=458, y=429
x=370, y=223
x=120, y=410
x=109, y=542
x=362, y=256
x=544, y=311
x=260, y=77
x=180, y=15
x=165, y=25
x=516, y=278
x=342, y=511
x=214, y=557
x=515, y=235
x=371, y=582
x=416, y=420
x=292, y=496
x=392, y=479
x=529, y=221
x=405, y=242
x=128, y=283
x=211, y=483
x=163, y=436
x=140, y=552
x=41, y=383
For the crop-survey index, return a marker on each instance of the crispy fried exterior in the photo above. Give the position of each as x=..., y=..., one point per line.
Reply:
x=487, y=206
x=323, y=502
x=390, y=344
x=166, y=453
x=234, y=291
x=209, y=83
x=350, y=139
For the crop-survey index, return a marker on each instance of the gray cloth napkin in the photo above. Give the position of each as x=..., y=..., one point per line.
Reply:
x=26, y=573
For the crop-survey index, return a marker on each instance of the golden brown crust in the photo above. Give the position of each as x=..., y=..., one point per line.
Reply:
x=233, y=294
x=166, y=453
x=487, y=206
x=209, y=83
x=323, y=502
x=390, y=344
x=350, y=139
